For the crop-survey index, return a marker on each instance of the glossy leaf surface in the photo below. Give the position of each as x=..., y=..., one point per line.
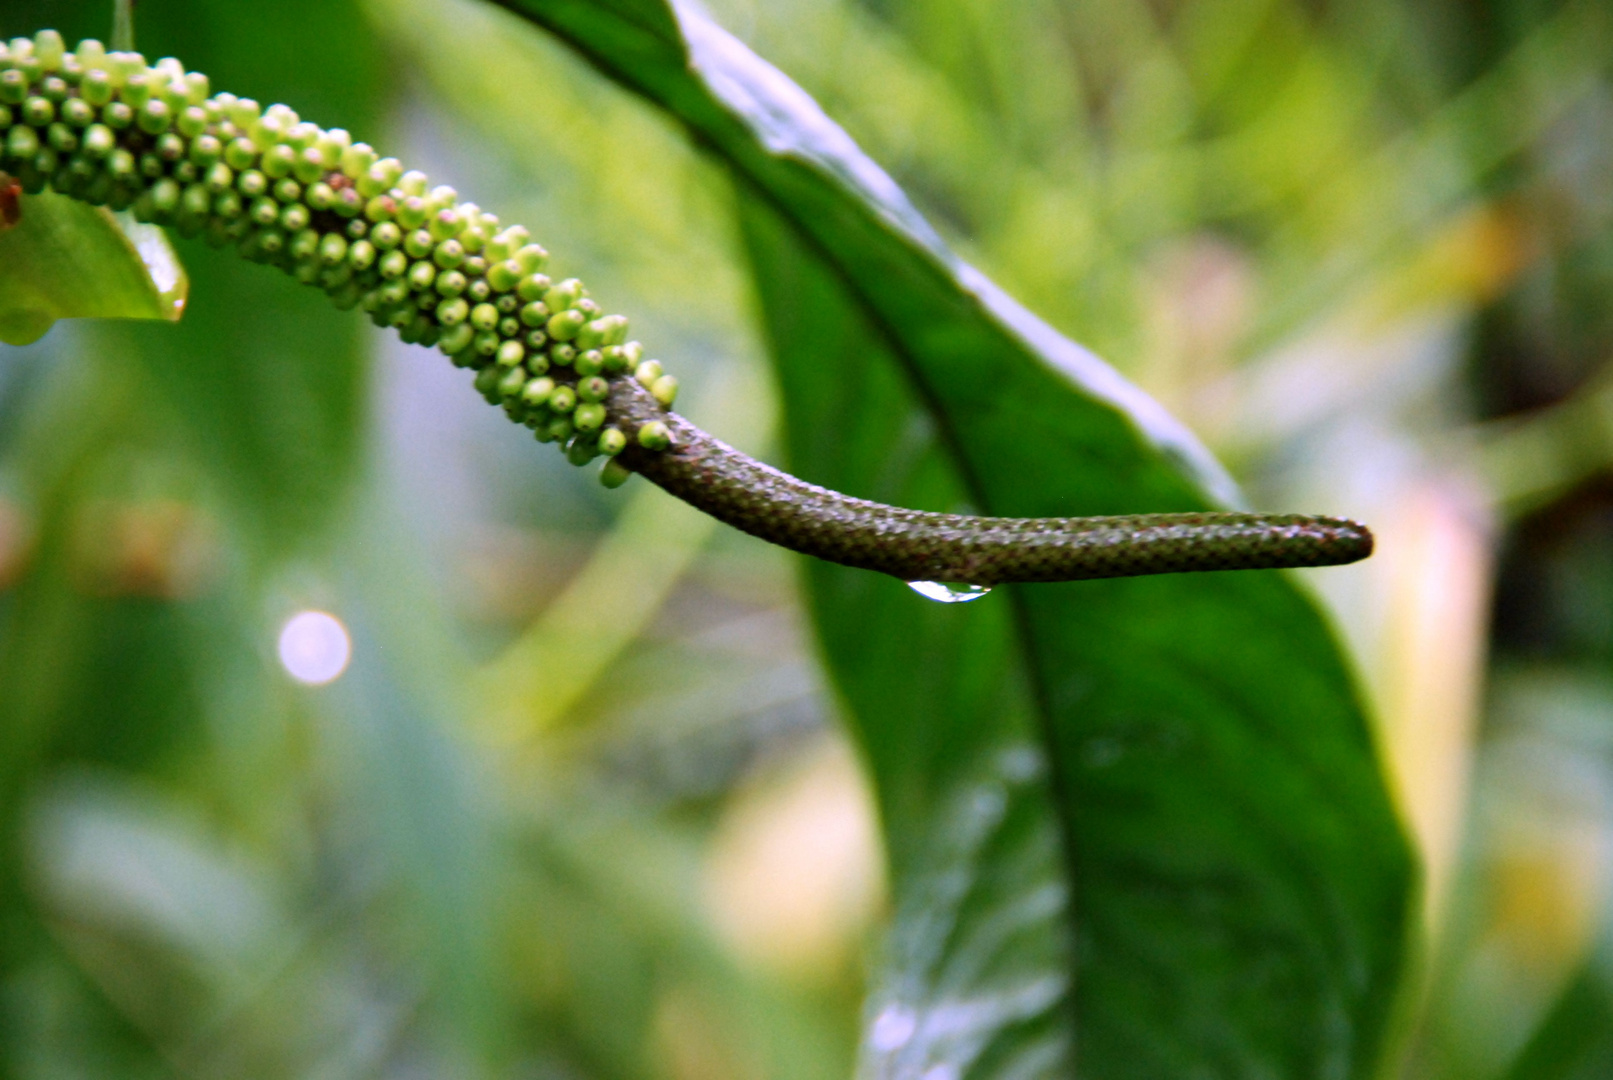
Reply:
x=63, y=259
x=1170, y=779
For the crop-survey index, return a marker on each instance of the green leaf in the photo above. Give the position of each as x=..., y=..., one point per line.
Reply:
x=66, y=260
x=1575, y=1041
x=1170, y=777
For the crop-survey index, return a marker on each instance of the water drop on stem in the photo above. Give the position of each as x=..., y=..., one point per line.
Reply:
x=949, y=592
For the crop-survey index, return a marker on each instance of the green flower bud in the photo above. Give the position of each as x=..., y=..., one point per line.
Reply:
x=50, y=49
x=196, y=201
x=612, y=441
x=303, y=247
x=61, y=138
x=154, y=117
x=418, y=244
x=320, y=196
x=532, y=288
x=564, y=295
x=484, y=317
x=277, y=161
x=309, y=165
x=589, y=416
x=537, y=391
x=165, y=196
x=562, y=354
x=243, y=113
x=136, y=90
x=582, y=449
x=264, y=212
x=170, y=148
x=395, y=292
x=386, y=236
x=252, y=184
x=448, y=254
x=559, y=430
x=13, y=87
x=504, y=276
x=487, y=380
x=220, y=178
x=22, y=144
x=357, y=160
x=381, y=208
x=421, y=275
x=591, y=362
x=332, y=145
x=563, y=399
x=361, y=255
x=655, y=436
x=333, y=249
x=227, y=205
x=414, y=183
x=412, y=212
x=510, y=354
x=452, y=313
x=288, y=190
x=593, y=388
x=191, y=121
x=589, y=310
x=512, y=382
x=614, y=474
x=118, y=116
x=451, y=283
x=531, y=258
x=394, y=264
x=665, y=390
x=456, y=339
x=38, y=112
x=77, y=112
x=446, y=224
x=348, y=203
x=564, y=326
x=508, y=327
x=294, y=218
x=121, y=165
x=96, y=88
x=99, y=142
x=647, y=372
x=535, y=314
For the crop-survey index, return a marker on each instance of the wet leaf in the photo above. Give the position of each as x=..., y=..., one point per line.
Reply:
x=1140, y=823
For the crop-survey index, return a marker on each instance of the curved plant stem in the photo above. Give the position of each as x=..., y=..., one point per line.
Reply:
x=123, y=25
x=335, y=214
x=918, y=546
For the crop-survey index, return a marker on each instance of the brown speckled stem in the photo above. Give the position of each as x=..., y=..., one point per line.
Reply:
x=917, y=546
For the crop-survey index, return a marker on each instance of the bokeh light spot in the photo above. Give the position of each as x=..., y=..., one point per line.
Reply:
x=314, y=647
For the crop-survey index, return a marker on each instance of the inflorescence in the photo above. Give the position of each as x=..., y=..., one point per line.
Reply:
x=109, y=129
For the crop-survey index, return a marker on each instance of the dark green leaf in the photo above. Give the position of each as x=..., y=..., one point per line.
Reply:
x=1241, y=888
x=67, y=260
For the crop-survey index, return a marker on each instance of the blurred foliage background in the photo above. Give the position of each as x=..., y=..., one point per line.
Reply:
x=1364, y=250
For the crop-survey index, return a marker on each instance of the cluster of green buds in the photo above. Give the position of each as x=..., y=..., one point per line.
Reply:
x=108, y=128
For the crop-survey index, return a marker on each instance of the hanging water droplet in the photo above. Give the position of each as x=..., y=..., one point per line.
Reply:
x=949, y=592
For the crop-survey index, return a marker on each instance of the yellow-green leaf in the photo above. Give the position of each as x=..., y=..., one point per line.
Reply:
x=66, y=260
